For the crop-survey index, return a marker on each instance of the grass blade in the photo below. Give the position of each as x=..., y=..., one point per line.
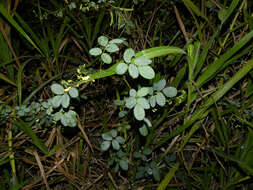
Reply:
x=6, y=79
x=168, y=177
x=40, y=87
x=203, y=110
x=97, y=27
x=230, y=9
x=159, y=51
x=195, y=9
x=212, y=69
x=19, y=82
x=26, y=129
x=18, y=28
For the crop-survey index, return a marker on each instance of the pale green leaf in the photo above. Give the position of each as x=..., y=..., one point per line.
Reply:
x=103, y=41
x=160, y=99
x=111, y=48
x=152, y=101
x=105, y=145
x=143, y=130
x=106, y=58
x=128, y=55
x=123, y=165
x=113, y=133
x=57, y=89
x=143, y=102
x=142, y=92
x=170, y=92
x=159, y=85
x=95, y=51
x=115, y=145
x=141, y=61
x=132, y=92
x=120, y=139
x=57, y=116
x=56, y=101
x=116, y=41
x=121, y=68
x=73, y=92
x=130, y=102
x=139, y=112
x=107, y=136
x=148, y=122
x=65, y=100
x=146, y=72
x=133, y=71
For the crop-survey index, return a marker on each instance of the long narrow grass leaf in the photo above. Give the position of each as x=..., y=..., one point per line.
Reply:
x=165, y=182
x=230, y=10
x=202, y=111
x=6, y=79
x=97, y=27
x=195, y=9
x=212, y=69
x=15, y=25
x=27, y=129
x=159, y=51
x=19, y=82
x=40, y=87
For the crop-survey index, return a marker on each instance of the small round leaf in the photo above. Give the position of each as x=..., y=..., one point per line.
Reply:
x=122, y=114
x=132, y=92
x=120, y=139
x=57, y=116
x=105, y=145
x=159, y=85
x=160, y=99
x=57, y=89
x=56, y=101
x=128, y=54
x=141, y=61
x=133, y=71
x=146, y=120
x=113, y=133
x=170, y=92
x=65, y=100
x=143, y=102
x=107, y=136
x=73, y=92
x=71, y=118
x=143, y=130
x=152, y=101
x=130, y=102
x=95, y=51
x=111, y=48
x=106, y=58
x=146, y=72
x=121, y=68
x=142, y=92
x=116, y=41
x=139, y=112
x=123, y=165
x=115, y=145
x=103, y=41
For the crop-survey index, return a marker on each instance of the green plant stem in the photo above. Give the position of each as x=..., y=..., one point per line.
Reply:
x=231, y=27
x=11, y=157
